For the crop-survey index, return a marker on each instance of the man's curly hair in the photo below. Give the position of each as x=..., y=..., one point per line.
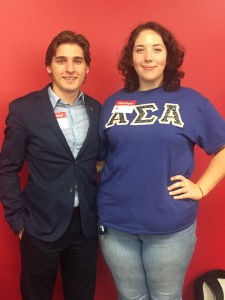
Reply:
x=175, y=56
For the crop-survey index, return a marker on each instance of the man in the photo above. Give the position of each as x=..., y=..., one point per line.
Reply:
x=55, y=131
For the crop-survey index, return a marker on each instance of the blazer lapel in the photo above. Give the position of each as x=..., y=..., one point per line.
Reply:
x=90, y=129
x=44, y=104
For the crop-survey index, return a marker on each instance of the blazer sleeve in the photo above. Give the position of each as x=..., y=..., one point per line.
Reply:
x=11, y=163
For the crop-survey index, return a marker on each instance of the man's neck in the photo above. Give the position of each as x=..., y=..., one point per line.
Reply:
x=67, y=97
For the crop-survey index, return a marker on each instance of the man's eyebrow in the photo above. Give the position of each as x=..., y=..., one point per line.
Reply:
x=76, y=57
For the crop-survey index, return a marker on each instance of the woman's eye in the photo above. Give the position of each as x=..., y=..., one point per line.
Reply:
x=139, y=50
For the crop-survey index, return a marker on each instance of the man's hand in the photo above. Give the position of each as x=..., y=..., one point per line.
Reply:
x=20, y=233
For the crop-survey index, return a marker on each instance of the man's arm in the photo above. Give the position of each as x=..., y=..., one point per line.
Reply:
x=11, y=163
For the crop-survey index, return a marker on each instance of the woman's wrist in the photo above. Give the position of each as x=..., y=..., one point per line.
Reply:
x=200, y=190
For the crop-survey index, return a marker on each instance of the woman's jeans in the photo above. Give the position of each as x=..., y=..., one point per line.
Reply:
x=148, y=267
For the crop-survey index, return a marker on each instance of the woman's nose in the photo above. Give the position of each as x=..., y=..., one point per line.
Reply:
x=148, y=55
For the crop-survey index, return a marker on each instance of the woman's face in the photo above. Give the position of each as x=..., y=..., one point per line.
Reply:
x=149, y=59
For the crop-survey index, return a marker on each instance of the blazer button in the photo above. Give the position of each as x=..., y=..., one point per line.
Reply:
x=72, y=190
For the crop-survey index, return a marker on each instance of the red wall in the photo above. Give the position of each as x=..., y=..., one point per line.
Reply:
x=27, y=26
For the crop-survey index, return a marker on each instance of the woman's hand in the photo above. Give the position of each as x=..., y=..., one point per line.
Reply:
x=184, y=188
x=100, y=166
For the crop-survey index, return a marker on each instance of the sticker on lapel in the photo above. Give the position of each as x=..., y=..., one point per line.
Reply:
x=124, y=106
x=62, y=119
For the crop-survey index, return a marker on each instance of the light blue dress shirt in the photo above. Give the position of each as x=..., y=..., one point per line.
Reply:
x=74, y=123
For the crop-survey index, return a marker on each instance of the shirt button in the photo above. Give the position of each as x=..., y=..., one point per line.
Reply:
x=72, y=190
x=77, y=162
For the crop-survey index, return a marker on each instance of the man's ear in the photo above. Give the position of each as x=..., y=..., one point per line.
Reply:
x=87, y=70
x=49, y=70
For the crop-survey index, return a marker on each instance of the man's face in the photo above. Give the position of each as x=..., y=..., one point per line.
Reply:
x=68, y=71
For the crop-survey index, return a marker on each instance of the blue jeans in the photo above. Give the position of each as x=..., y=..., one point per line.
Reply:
x=148, y=267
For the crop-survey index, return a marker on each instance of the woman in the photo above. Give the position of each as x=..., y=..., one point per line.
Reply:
x=147, y=205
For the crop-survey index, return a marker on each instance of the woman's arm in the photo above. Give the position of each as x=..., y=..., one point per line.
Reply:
x=100, y=165
x=213, y=174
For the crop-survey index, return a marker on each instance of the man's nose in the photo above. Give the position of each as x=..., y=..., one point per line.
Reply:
x=70, y=67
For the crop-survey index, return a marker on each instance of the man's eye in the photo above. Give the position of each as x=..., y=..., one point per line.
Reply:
x=60, y=61
x=78, y=61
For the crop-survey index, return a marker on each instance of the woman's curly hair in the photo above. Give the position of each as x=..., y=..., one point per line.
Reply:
x=175, y=56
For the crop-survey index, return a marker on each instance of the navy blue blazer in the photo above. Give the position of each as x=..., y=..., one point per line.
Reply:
x=44, y=207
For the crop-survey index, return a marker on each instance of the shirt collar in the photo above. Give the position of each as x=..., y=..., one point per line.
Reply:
x=54, y=99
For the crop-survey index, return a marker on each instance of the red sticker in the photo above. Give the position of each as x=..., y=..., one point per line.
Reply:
x=60, y=115
x=125, y=102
